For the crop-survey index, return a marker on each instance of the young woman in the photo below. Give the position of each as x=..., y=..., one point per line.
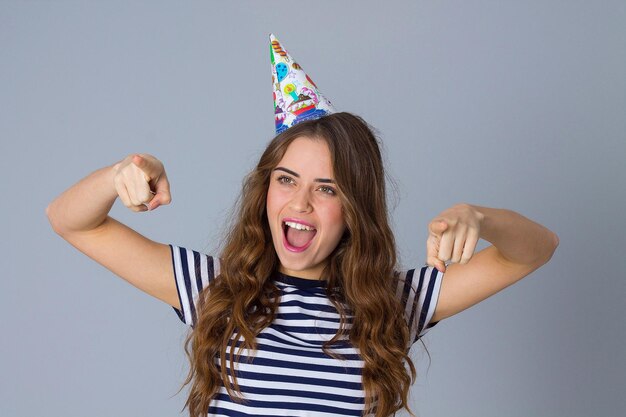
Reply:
x=305, y=311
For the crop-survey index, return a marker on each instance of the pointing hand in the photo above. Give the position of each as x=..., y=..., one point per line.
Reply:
x=141, y=182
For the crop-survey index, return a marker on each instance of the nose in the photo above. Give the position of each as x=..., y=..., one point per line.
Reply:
x=301, y=201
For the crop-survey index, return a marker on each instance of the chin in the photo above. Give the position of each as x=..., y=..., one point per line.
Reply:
x=304, y=265
x=295, y=265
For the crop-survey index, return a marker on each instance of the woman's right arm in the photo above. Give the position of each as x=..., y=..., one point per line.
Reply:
x=80, y=216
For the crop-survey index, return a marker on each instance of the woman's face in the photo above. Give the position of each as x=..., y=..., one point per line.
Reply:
x=303, y=208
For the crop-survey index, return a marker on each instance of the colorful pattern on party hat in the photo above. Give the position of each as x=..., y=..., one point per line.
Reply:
x=296, y=97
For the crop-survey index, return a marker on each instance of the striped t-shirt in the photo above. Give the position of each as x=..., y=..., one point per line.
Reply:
x=289, y=374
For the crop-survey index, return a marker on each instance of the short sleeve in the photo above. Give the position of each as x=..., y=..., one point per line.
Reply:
x=193, y=271
x=418, y=290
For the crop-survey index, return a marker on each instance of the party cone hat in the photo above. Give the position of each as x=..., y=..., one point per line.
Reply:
x=296, y=97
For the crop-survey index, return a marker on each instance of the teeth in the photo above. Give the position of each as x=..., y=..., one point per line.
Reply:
x=299, y=226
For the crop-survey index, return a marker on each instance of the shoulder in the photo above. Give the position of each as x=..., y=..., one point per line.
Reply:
x=193, y=271
x=417, y=280
x=418, y=291
x=189, y=263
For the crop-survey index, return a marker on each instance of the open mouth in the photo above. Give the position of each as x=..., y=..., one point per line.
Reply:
x=297, y=236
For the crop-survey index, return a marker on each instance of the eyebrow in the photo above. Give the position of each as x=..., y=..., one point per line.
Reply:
x=288, y=171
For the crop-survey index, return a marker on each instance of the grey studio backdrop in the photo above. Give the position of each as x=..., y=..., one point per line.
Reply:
x=517, y=105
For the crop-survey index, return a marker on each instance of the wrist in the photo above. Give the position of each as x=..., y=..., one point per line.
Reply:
x=488, y=218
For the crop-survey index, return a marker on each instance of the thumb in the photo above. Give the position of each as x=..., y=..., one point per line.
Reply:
x=145, y=165
x=140, y=160
x=438, y=227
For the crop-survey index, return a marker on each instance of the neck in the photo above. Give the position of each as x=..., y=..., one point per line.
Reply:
x=312, y=273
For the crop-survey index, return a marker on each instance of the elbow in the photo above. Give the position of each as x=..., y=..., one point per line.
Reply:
x=50, y=216
x=554, y=243
x=556, y=240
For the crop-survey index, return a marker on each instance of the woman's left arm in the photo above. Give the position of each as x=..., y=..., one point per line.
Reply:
x=519, y=247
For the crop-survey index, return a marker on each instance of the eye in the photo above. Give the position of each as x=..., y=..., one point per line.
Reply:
x=328, y=190
x=283, y=179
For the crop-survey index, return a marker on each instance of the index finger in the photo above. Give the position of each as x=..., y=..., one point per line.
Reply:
x=432, y=251
x=162, y=195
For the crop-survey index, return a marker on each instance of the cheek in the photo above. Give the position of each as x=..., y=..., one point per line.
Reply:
x=272, y=201
x=272, y=213
x=275, y=202
x=335, y=216
x=269, y=203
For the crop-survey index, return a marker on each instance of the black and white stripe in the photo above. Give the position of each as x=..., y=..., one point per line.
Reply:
x=289, y=374
x=193, y=271
x=419, y=290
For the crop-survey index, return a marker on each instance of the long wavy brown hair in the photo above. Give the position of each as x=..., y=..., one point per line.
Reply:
x=243, y=300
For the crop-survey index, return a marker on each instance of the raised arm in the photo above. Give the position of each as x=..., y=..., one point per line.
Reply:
x=80, y=216
x=519, y=247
